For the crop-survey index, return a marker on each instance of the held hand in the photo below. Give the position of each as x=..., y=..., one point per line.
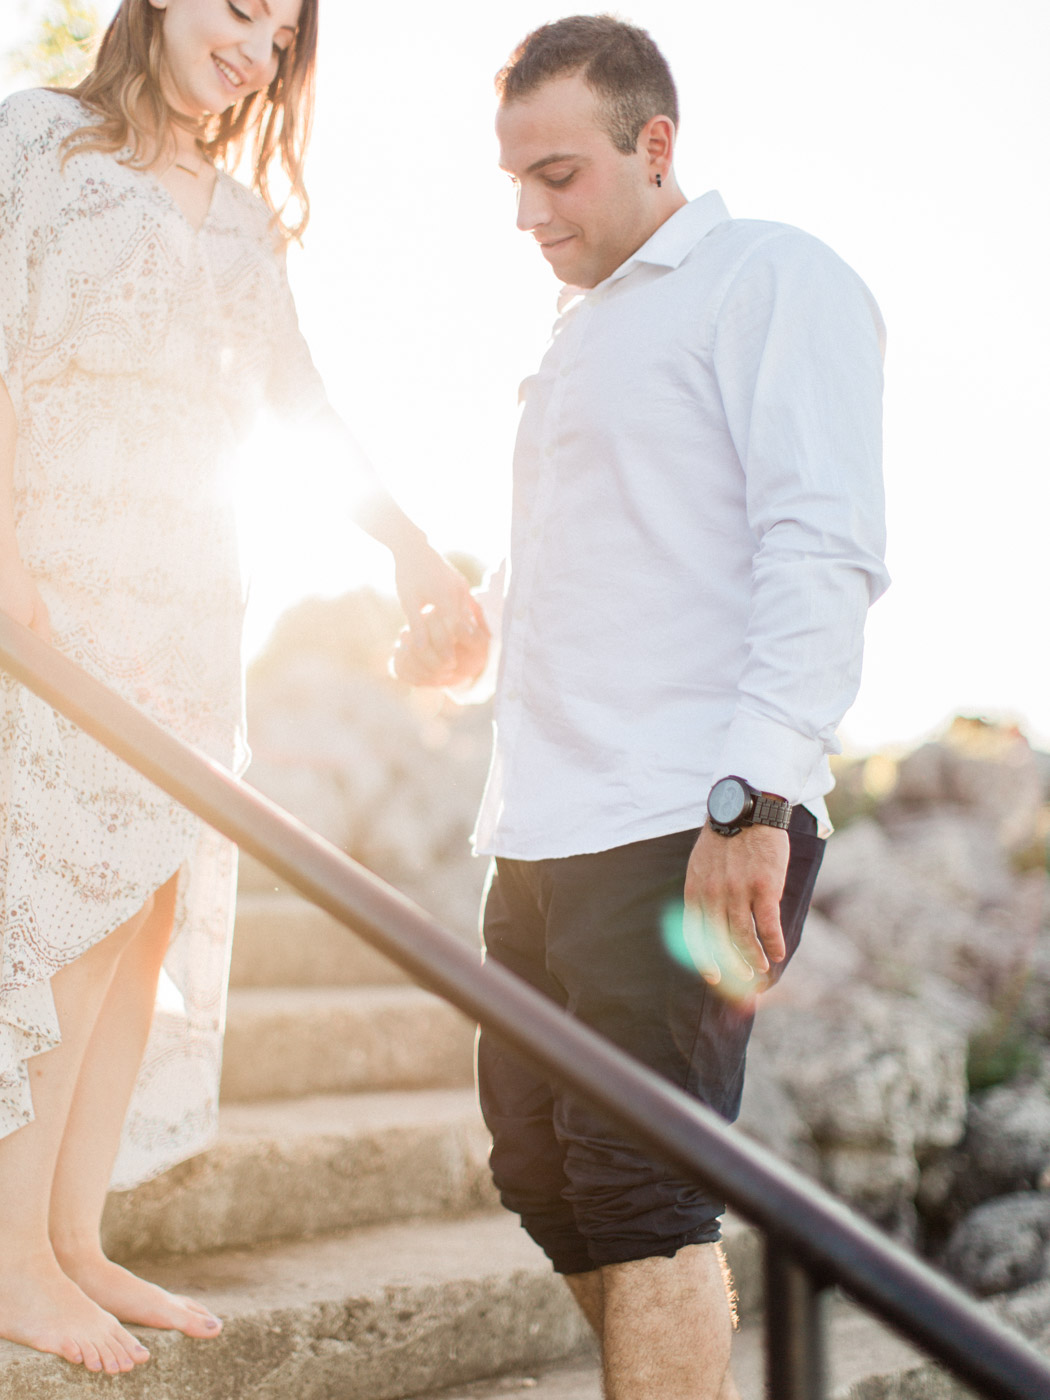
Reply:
x=20, y=598
x=442, y=615
x=733, y=887
x=418, y=662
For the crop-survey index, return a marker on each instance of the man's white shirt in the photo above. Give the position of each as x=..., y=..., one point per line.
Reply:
x=697, y=534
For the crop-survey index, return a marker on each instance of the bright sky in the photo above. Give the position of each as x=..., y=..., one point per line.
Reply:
x=908, y=134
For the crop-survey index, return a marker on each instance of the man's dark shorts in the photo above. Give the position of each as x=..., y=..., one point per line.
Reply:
x=596, y=933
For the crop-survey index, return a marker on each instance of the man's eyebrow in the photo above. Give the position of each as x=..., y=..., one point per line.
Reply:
x=550, y=160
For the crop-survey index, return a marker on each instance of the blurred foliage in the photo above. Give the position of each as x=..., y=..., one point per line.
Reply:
x=63, y=51
x=1008, y=1045
x=1000, y=1052
x=861, y=784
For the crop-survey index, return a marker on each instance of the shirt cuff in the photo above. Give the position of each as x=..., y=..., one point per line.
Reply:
x=769, y=755
x=482, y=687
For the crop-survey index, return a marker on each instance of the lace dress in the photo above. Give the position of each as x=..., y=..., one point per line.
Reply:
x=136, y=351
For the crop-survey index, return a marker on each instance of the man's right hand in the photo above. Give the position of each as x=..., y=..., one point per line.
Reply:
x=422, y=659
x=20, y=598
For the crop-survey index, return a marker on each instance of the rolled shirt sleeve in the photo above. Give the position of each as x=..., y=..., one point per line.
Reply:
x=798, y=357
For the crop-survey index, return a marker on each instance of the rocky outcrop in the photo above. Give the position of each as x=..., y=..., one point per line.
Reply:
x=922, y=974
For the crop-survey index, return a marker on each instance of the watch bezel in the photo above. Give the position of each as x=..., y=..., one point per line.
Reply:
x=746, y=815
x=736, y=824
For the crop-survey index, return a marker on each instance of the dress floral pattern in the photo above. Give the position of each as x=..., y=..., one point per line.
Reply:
x=137, y=351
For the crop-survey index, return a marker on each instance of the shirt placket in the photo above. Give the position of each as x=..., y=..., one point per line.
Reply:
x=534, y=511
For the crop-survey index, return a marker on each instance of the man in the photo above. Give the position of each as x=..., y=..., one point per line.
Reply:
x=697, y=535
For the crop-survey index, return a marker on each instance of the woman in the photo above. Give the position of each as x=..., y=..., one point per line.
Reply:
x=144, y=316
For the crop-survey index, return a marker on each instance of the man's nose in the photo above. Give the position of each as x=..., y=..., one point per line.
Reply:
x=533, y=210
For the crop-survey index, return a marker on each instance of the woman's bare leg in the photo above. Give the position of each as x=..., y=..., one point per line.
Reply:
x=92, y=1138
x=39, y=1305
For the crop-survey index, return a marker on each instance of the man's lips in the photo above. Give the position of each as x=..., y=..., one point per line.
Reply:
x=551, y=243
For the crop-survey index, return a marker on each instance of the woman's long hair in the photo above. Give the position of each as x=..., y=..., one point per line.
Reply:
x=124, y=89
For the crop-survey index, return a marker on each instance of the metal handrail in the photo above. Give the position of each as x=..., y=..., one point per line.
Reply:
x=813, y=1240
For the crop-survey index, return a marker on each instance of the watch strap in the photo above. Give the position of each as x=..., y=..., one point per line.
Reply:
x=771, y=811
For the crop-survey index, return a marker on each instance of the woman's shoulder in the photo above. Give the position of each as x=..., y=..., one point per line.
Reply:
x=42, y=117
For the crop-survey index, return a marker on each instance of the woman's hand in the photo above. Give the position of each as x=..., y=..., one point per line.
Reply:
x=442, y=615
x=20, y=598
x=416, y=662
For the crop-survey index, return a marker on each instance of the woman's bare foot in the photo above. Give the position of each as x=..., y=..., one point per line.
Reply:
x=134, y=1300
x=42, y=1308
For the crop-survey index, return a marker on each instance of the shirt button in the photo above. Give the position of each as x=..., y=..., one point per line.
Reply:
x=514, y=694
x=565, y=372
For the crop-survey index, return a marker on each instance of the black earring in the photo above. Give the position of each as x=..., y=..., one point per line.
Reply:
x=659, y=181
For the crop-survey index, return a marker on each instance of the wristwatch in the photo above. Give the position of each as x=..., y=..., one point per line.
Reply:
x=733, y=804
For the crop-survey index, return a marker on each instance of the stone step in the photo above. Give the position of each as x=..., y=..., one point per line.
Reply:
x=292, y=1042
x=282, y=940
x=302, y=1167
x=374, y=1315
x=865, y=1362
x=298, y=1168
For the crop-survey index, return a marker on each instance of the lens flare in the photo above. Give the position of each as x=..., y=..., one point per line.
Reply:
x=703, y=945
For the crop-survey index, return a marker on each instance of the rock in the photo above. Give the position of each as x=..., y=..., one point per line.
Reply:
x=826, y=962
x=768, y=1114
x=1006, y=1149
x=1027, y=1311
x=931, y=896
x=852, y=858
x=876, y=1084
x=951, y=851
x=988, y=769
x=1008, y=1137
x=1002, y=1245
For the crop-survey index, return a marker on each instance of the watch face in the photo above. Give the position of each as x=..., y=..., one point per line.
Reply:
x=728, y=801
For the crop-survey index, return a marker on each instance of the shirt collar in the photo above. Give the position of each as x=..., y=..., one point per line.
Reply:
x=677, y=236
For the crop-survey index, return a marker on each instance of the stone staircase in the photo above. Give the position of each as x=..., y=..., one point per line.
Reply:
x=344, y=1225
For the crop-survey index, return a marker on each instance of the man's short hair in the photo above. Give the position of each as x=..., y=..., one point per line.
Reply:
x=623, y=66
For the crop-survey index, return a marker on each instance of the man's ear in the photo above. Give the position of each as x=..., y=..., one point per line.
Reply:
x=656, y=140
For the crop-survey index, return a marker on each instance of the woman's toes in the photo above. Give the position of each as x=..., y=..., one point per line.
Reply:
x=121, y=1357
x=200, y=1321
x=72, y=1352
x=92, y=1359
x=134, y=1348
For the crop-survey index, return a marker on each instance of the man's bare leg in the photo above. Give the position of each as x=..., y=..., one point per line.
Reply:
x=92, y=1138
x=589, y=1291
x=667, y=1329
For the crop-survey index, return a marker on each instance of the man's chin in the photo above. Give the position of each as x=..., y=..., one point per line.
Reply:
x=559, y=257
x=571, y=273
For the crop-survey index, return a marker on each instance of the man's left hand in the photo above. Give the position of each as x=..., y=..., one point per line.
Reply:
x=733, y=887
